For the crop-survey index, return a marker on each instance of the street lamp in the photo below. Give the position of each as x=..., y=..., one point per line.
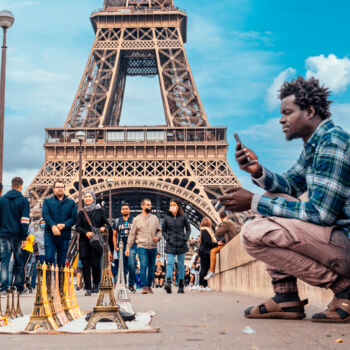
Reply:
x=110, y=183
x=80, y=136
x=6, y=21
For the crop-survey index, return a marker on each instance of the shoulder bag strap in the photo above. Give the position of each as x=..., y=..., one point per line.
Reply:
x=87, y=218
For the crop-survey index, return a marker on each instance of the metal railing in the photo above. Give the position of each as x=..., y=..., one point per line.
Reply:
x=139, y=135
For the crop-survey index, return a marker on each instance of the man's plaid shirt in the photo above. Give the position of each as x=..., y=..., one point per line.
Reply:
x=323, y=170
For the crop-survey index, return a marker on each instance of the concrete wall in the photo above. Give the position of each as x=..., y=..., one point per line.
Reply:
x=236, y=271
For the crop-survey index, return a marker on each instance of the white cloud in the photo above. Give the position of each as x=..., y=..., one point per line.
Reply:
x=16, y=5
x=332, y=71
x=272, y=92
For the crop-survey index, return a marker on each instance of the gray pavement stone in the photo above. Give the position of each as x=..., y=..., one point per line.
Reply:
x=193, y=321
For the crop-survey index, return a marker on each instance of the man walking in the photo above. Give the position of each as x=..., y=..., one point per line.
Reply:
x=301, y=239
x=146, y=232
x=122, y=228
x=14, y=223
x=59, y=213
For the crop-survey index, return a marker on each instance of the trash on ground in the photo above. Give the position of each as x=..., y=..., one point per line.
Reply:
x=248, y=330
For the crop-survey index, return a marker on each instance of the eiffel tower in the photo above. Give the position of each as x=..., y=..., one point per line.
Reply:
x=185, y=159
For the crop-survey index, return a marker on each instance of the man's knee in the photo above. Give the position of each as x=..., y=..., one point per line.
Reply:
x=252, y=232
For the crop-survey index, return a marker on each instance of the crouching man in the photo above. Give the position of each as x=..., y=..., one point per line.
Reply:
x=308, y=239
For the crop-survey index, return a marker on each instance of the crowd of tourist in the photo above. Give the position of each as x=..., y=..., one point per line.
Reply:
x=143, y=265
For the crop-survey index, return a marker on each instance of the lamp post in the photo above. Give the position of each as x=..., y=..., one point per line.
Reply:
x=110, y=184
x=80, y=136
x=6, y=21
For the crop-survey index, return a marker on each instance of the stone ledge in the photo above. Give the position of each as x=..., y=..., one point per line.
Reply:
x=236, y=271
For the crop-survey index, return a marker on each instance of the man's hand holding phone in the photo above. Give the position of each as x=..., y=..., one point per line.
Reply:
x=247, y=159
x=238, y=199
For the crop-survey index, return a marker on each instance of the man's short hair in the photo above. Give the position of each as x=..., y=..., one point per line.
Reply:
x=17, y=182
x=144, y=200
x=308, y=93
x=224, y=214
x=125, y=204
x=59, y=182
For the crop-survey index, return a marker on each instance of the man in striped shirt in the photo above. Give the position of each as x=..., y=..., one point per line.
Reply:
x=14, y=223
x=308, y=239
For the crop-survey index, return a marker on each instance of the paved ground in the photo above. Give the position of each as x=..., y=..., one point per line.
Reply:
x=193, y=321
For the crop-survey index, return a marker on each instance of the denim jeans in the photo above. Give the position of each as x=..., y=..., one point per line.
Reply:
x=148, y=263
x=55, y=245
x=170, y=266
x=7, y=247
x=132, y=266
x=41, y=259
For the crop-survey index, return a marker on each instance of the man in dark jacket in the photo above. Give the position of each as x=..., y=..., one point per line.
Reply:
x=59, y=213
x=14, y=223
x=224, y=233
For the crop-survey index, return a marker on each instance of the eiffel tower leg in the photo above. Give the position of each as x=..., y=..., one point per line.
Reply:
x=118, y=104
x=181, y=100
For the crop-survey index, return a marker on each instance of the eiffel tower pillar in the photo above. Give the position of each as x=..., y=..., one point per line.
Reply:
x=185, y=159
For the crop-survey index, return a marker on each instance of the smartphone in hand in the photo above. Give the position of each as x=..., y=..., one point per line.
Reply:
x=238, y=140
x=218, y=206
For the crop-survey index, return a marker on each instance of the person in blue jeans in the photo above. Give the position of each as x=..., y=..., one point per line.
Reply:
x=121, y=230
x=59, y=213
x=14, y=223
x=176, y=232
x=146, y=232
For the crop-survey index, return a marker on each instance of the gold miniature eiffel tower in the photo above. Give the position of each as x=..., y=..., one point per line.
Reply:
x=74, y=302
x=46, y=300
x=57, y=297
x=8, y=309
x=66, y=299
x=13, y=309
x=19, y=312
x=39, y=318
x=106, y=306
x=51, y=295
x=121, y=292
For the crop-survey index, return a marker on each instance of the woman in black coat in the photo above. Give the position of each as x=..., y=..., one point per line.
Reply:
x=208, y=242
x=90, y=257
x=176, y=232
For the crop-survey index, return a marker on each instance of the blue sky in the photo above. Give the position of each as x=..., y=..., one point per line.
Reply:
x=240, y=52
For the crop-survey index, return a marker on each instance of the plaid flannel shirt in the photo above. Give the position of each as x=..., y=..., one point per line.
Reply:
x=323, y=170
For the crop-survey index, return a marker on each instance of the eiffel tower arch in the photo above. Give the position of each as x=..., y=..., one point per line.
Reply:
x=186, y=158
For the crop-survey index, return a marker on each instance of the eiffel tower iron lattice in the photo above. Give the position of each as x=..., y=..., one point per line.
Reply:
x=185, y=159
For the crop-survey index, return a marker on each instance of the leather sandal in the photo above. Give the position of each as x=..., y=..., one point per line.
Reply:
x=330, y=315
x=275, y=310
